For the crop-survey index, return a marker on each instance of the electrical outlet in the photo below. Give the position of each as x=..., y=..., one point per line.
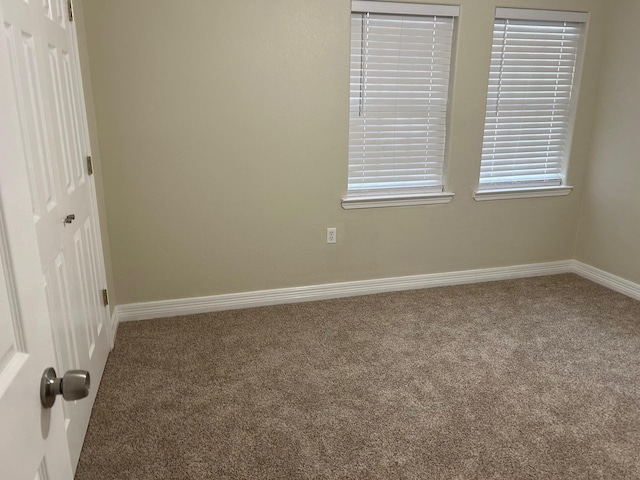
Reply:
x=331, y=235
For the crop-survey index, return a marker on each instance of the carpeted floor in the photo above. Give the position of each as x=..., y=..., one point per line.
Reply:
x=533, y=378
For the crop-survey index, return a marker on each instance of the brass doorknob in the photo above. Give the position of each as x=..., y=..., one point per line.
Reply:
x=74, y=385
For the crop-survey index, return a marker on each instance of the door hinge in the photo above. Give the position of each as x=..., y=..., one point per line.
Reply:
x=105, y=297
x=70, y=10
x=89, y=165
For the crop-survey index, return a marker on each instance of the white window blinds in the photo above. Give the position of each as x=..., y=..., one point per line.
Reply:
x=531, y=84
x=400, y=63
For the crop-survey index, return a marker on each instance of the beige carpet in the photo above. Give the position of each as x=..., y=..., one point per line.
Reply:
x=533, y=378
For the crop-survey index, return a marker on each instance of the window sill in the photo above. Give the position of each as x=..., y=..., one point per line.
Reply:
x=511, y=193
x=377, y=202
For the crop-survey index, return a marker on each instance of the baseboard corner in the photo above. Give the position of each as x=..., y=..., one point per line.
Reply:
x=606, y=279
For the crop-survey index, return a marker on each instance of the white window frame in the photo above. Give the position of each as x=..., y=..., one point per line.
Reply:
x=528, y=191
x=362, y=198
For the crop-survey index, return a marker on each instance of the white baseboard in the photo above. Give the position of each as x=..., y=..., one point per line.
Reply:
x=189, y=306
x=605, y=279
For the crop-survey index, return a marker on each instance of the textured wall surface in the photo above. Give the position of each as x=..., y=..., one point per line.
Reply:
x=223, y=135
x=609, y=234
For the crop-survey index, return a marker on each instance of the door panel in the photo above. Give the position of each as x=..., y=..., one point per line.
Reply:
x=65, y=340
x=11, y=343
x=82, y=272
x=95, y=278
x=61, y=120
x=27, y=91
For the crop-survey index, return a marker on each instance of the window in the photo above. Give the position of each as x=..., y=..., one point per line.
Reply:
x=532, y=84
x=400, y=64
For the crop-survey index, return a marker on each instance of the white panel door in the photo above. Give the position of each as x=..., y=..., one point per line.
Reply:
x=42, y=61
x=33, y=444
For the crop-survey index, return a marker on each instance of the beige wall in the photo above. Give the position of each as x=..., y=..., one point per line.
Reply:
x=609, y=234
x=223, y=133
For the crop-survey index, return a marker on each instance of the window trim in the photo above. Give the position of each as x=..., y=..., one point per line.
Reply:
x=395, y=8
x=541, y=15
x=524, y=192
x=439, y=198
